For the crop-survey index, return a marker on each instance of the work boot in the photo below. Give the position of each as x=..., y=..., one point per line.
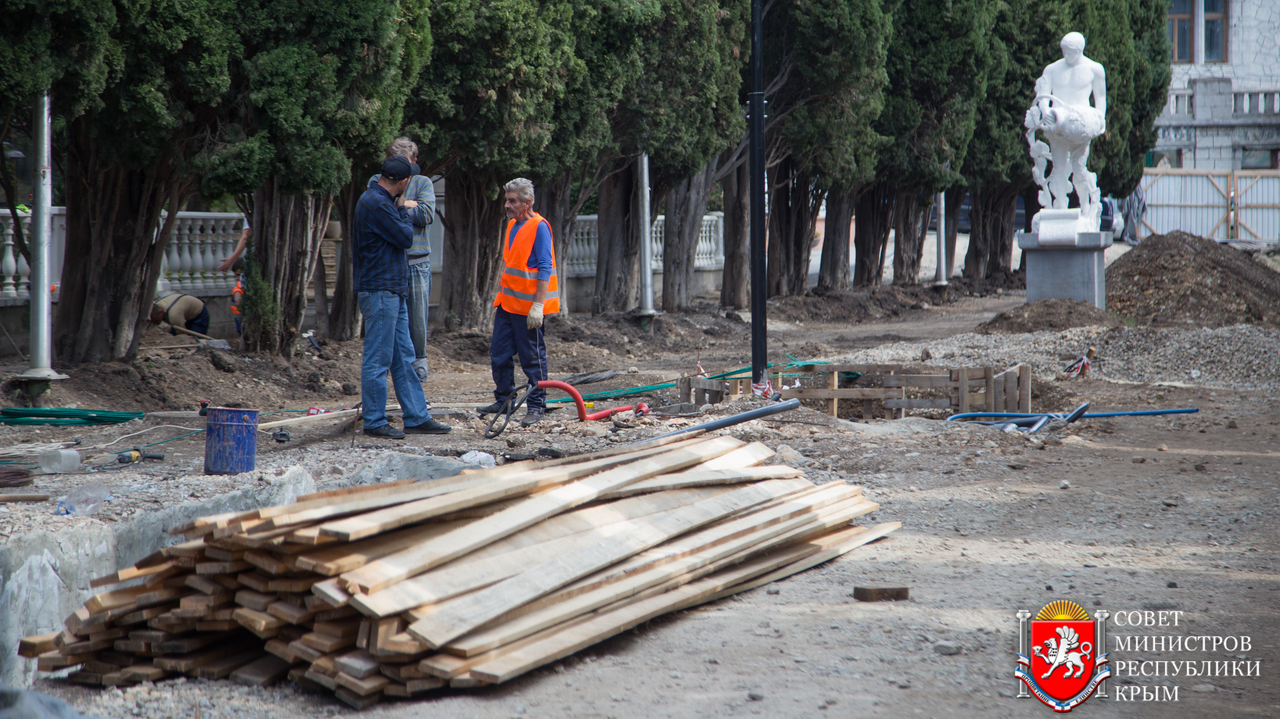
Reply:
x=533, y=416
x=494, y=408
x=431, y=426
x=386, y=431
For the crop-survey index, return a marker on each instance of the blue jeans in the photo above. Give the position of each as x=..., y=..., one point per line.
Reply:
x=387, y=348
x=512, y=336
x=419, y=306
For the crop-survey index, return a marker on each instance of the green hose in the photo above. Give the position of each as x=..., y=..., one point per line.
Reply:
x=61, y=416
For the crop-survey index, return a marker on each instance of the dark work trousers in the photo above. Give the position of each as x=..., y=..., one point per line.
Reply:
x=511, y=336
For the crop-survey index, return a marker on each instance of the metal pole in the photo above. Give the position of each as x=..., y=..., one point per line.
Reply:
x=646, y=241
x=41, y=356
x=940, y=277
x=759, y=342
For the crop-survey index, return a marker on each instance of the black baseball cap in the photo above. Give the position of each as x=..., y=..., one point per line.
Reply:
x=396, y=168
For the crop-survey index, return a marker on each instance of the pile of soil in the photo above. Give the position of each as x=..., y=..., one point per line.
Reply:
x=1047, y=315
x=1179, y=279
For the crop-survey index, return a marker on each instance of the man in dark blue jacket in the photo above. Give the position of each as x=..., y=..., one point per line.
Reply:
x=381, y=234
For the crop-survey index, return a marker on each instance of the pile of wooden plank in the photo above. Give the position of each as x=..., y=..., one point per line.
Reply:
x=396, y=589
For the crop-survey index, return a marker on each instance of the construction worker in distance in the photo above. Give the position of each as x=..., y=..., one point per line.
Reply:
x=237, y=294
x=529, y=291
x=181, y=310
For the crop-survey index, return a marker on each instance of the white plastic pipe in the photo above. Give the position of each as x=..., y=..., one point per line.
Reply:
x=940, y=277
x=41, y=216
x=646, y=241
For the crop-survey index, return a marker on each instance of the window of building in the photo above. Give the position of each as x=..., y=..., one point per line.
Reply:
x=1215, y=30
x=1164, y=158
x=1259, y=159
x=1180, y=36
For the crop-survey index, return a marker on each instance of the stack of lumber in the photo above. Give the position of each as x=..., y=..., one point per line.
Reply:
x=396, y=589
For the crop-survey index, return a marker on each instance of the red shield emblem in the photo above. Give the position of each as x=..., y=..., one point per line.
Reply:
x=1063, y=656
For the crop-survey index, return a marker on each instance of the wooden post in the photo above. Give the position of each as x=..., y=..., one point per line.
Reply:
x=989, y=374
x=1011, y=389
x=685, y=387
x=1024, y=388
x=962, y=376
x=833, y=381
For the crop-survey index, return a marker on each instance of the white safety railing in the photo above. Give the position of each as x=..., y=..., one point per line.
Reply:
x=197, y=244
x=580, y=259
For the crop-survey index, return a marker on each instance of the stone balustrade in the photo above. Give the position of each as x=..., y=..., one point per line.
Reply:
x=1180, y=104
x=580, y=259
x=1256, y=102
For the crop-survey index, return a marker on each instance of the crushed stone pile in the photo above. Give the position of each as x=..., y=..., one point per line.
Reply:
x=1048, y=315
x=1179, y=279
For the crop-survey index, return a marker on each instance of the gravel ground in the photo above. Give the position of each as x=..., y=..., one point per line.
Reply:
x=1239, y=356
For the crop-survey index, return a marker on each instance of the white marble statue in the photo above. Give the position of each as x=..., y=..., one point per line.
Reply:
x=1062, y=111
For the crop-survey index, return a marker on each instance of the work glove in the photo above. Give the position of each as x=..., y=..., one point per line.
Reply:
x=534, y=320
x=420, y=369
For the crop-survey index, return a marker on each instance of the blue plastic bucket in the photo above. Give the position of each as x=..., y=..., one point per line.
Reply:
x=230, y=441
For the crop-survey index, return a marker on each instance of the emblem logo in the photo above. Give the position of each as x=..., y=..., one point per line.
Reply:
x=1066, y=664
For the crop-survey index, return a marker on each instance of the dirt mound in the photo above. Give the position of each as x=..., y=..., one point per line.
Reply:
x=1179, y=279
x=1047, y=315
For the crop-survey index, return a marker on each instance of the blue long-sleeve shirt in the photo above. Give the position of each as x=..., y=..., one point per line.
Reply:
x=540, y=256
x=422, y=191
x=380, y=235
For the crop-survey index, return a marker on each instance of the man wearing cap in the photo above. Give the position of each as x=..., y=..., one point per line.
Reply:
x=529, y=290
x=380, y=235
x=419, y=199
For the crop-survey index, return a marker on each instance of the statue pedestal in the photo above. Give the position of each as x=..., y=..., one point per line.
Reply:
x=1069, y=272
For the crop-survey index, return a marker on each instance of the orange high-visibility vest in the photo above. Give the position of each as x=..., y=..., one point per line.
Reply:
x=519, y=286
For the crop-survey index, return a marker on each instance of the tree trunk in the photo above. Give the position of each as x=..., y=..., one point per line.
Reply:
x=287, y=230
x=735, y=288
x=911, y=219
x=833, y=272
x=793, y=216
x=554, y=201
x=473, y=223
x=992, y=214
x=686, y=205
x=320, y=282
x=954, y=198
x=112, y=219
x=342, y=313
x=618, y=248
x=872, y=221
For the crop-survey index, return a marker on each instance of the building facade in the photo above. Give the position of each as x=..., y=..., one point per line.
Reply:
x=1223, y=111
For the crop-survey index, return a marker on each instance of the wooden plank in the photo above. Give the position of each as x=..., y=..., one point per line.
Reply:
x=186, y=645
x=1011, y=390
x=917, y=404
x=846, y=393
x=262, y=672
x=344, y=628
x=881, y=594
x=363, y=687
x=359, y=664
x=348, y=556
x=129, y=573
x=413, y=687
x=1024, y=388
x=291, y=613
x=203, y=583
x=921, y=381
x=997, y=393
x=326, y=643
x=260, y=623
x=255, y=600
x=33, y=646
x=514, y=554
x=357, y=701
x=188, y=662
x=348, y=491
x=111, y=600
x=859, y=368
x=989, y=378
x=144, y=672
x=704, y=478
x=656, y=578
x=751, y=455
x=833, y=405
x=407, y=563
x=488, y=604
x=962, y=381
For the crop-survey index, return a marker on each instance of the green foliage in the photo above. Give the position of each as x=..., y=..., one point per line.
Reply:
x=833, y=53
x=66, y=43
x=260, y=307
x=937, y=66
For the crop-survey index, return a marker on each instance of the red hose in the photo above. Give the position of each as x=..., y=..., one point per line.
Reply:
x=641, y=409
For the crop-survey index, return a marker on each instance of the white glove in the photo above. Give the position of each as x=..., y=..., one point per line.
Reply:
x=535, y=316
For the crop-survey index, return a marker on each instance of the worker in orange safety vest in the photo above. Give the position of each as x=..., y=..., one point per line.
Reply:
x=529, y=291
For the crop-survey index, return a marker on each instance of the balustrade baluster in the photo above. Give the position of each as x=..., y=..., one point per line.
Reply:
x=180, y=234
x=171, y=280
x=7, y=265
